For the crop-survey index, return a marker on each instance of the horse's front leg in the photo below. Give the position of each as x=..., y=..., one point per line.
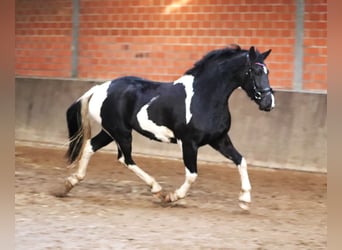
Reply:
x=245, y=194
x=190, y=161
x=226, y=148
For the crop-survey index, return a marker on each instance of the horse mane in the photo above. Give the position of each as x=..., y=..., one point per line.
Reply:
x=214, y=55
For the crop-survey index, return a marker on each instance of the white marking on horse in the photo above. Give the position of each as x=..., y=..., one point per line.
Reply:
x=155, y=187
x=245, y=184
x=99, y=94
x=273, y=101
x=181, y=192
x=179, y=142
x=162, y=133
x=189, y=179
x=122, y=160
x=187, y=81
x=263, y=67
x=82, y=164
x=245, y=195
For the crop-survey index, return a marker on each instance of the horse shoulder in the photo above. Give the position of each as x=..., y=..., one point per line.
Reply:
x=208, y=124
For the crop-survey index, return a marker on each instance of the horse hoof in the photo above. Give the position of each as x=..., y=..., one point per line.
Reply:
x=63, y=190
x=168, y=198
x=245, y=199
x=59, y=194
x=159, y=195
x=244, y=205
x=171, y=197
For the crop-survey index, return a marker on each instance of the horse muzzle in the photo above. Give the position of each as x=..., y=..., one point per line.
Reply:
x=267, y=102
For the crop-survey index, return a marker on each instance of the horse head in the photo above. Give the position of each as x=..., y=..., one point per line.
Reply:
x=255, y=80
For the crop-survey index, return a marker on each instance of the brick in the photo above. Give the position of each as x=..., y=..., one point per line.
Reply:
x=173, y=41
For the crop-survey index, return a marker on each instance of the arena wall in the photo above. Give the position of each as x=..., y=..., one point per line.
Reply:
x=292, y=136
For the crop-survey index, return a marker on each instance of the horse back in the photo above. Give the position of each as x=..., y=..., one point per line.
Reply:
x=132, y=101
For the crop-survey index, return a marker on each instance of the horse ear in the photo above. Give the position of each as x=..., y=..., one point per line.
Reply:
x=265, y=54
x=252, y=53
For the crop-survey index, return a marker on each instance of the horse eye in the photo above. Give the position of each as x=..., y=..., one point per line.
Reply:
x=258, y=71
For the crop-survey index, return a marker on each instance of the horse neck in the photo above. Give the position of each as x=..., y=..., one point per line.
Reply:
x=219, y=85
x=213, y=93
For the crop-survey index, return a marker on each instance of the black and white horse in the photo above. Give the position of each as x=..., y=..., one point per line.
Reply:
x=191, y=111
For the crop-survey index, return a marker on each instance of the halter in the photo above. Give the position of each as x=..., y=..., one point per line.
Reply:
x=258, y=92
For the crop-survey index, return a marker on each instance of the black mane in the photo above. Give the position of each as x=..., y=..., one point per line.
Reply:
x=214, y=56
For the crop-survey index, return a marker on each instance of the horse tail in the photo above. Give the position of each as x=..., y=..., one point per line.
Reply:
x=78, y=126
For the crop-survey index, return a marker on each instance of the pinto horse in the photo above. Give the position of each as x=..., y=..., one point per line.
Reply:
x=191, y=111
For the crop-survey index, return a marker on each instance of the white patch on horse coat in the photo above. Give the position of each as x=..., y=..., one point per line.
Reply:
x=99, y=94
x=162, y=133
x=187, y=81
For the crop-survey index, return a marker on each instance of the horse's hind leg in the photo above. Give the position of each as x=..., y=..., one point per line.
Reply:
x=124, y=142
x=189, y=150
x=100, y=140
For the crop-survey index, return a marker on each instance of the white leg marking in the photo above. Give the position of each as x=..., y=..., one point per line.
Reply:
x=82, y=165
x=245, y=184
x=122, y=160
x=187, y=81
x=245, y=195
x=179, y=142
x=155, y=187
x=160, y=132
x=273, y=101
x=181, y=192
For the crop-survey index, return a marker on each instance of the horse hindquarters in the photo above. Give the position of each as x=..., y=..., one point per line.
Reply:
x=79, y=149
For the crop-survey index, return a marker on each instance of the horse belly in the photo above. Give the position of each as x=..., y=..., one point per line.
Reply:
x=155, y=131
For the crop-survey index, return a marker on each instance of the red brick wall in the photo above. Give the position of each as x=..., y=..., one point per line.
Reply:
x=43, y=37
x=315, y=45
x=160, y=39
